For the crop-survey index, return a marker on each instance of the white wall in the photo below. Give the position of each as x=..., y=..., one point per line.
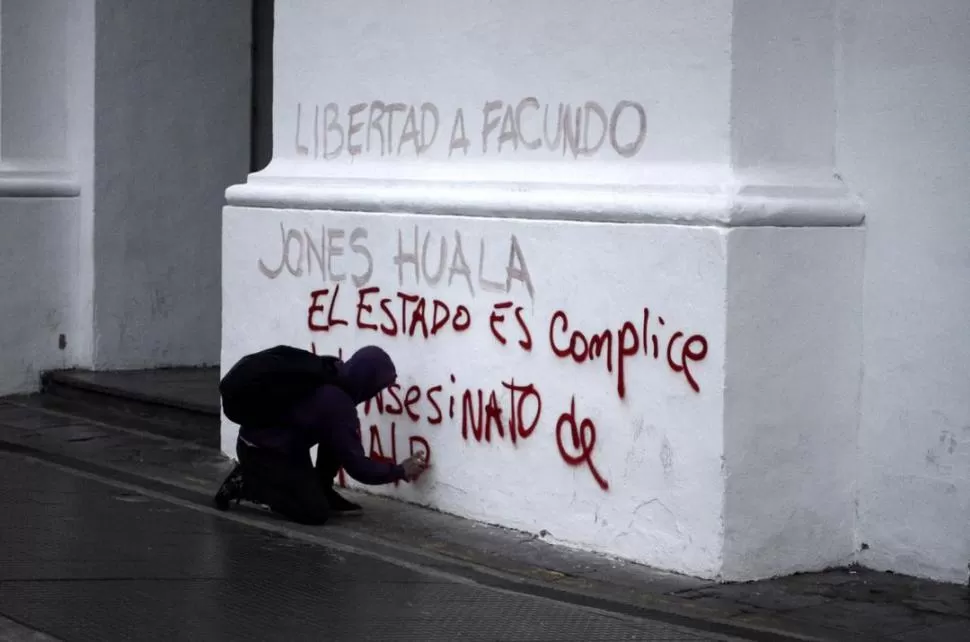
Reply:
x=120, y=126
x=904, y=145
x=792, y=379
x=42, y=55
x=38, y=258
x=81, y=20
x=717, y=480
x=172, y=99
x=652, y=488
x=727, y=190
x=463, y=55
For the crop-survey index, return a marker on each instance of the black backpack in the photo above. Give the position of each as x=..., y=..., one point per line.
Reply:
x=262, y=388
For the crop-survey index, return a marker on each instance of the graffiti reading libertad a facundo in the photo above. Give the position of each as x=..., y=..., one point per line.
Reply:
x=330, y=131
x=513, y=409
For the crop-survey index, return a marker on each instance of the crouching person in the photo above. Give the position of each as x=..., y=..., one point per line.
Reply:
x=289, y=400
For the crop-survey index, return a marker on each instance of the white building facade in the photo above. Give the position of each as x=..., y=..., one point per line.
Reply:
x=684, y=283
x=118, y=123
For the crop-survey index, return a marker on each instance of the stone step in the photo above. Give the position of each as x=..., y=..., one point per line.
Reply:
x=182, y=403
x=190, y=389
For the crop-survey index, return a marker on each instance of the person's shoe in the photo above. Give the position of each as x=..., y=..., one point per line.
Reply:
x=340, y=504
x=231, y=489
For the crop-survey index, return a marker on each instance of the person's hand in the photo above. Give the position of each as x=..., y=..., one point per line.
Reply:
x=413, y=466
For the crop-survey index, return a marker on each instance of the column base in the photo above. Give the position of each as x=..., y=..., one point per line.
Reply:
x=624, y=387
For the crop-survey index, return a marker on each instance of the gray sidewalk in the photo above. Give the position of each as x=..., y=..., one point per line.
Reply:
x=85, y=559
x=838, y=605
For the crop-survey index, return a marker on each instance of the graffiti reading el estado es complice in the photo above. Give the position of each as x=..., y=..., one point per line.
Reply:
x=401, y=313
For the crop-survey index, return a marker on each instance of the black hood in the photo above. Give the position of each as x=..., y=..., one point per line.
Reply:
x=367, y=372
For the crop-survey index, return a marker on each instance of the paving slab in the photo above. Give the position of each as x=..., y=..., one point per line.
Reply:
x=843, y=604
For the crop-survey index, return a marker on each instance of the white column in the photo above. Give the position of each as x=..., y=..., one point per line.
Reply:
x=794, y=301
x=33, y=99
x=572, y=172
x=40, y=214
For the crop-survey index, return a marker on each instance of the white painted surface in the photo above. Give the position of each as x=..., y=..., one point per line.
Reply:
x=41, y=215
x=658, y=449
x=171, y=131
x=34, y=59
x=904, y=144
x=782, y=89
x=36, y=182
x=120, y=126
x=733, y=155
x=794, y=341
x=733, y=205
x=81, y=19
x=709, y=152
x=38, y=255
x=463, y=55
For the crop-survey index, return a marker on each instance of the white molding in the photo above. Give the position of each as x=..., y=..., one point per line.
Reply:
x=33, y=183
x=830, y=205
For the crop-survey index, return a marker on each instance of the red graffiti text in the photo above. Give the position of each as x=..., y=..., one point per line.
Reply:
x=497, y=319
x=623, y=343
x=578, y=449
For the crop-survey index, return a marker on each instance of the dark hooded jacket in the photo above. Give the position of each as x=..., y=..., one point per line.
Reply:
x=328, y=418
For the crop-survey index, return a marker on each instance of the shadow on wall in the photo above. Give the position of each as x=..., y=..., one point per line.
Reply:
x=167, y=144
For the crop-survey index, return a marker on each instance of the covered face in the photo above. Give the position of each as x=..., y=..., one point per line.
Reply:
x=367, y=372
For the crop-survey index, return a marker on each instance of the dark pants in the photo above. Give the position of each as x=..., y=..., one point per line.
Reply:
x=289, y=484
